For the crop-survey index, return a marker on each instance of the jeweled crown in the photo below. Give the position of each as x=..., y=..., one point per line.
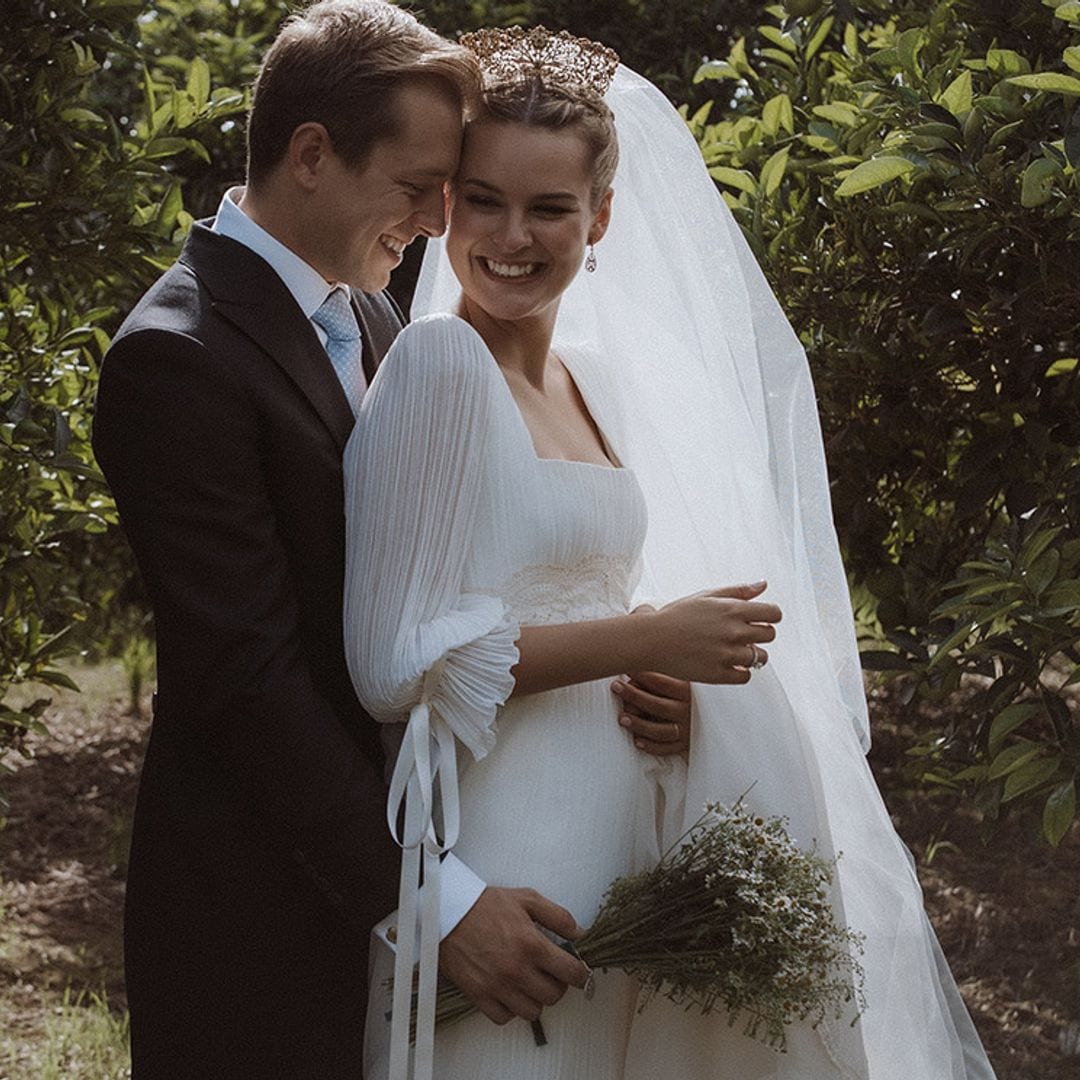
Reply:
x=512, y=55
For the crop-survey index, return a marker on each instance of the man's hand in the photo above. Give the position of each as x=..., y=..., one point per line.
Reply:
x=656, y=712
x=500, y=960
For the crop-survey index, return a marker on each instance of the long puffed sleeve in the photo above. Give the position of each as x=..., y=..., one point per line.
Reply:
x=415, y=468
x=417, y=645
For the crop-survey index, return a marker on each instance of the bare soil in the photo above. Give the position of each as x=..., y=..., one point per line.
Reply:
x=1006, y=908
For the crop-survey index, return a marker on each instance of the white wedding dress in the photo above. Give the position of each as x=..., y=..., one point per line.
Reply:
x=561, y=802
x=458, y=535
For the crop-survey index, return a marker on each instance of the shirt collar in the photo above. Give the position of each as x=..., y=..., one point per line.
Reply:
x=308, y=287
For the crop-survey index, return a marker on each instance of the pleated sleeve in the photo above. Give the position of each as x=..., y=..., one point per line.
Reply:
x=415, y=468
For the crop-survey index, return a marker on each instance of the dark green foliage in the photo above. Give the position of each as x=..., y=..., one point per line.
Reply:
x=89, y=211
x=1013, y=622
x=907, y=175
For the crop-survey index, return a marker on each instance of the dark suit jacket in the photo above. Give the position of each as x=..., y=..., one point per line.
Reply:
x=260, y=857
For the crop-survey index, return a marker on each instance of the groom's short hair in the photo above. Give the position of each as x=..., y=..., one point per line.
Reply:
x=340, y=63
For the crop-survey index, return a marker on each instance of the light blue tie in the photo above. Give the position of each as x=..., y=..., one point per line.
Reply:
x=343, y=346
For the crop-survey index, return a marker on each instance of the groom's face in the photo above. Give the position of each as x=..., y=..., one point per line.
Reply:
x=370, y=214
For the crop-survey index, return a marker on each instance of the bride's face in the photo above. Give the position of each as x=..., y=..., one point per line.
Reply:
x=521, y=217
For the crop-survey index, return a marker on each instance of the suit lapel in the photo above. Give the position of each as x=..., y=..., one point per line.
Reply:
x=246, y=291
x=367, y=356
x=380, y=322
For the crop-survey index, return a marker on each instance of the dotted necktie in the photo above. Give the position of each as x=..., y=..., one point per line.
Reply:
x=343, y=344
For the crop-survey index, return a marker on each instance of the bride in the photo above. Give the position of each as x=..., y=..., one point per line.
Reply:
x=527, y=482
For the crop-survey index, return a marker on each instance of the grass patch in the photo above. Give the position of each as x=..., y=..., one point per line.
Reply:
x=81, y=1039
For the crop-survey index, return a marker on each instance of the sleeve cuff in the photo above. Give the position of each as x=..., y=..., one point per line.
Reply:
x=459, y=889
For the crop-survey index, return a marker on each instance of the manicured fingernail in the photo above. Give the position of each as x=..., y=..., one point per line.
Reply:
x=616, y=688
x=639, y=743
x=624, y=721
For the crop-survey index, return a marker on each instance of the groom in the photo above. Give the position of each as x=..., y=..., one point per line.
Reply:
x=260, y=856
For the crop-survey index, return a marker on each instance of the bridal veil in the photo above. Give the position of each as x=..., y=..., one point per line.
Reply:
x=698, y=381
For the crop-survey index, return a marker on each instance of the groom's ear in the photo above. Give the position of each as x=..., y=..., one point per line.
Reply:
x=308, y=153
x=602, y=219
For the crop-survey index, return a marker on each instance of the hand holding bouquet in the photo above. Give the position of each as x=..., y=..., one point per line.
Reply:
x=734, y=916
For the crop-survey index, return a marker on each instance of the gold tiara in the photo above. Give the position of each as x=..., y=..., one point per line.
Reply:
x=515, y=55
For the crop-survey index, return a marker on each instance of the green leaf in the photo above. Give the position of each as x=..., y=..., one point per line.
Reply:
x=1061, y=367
x=1037, y=183
x=1012, y=758
x=839, y=112
x=715, y=69
x=820, y=34
x=1029, y=776
x=737, y=58
x=1071, y=56
x=773, y=171
x=56, y=678
x=77, y=114
x=873, y=174
x=165, y=147
x=1050, y=81
x=1006, y=62
x=777, y=37
x=1043, y=571
x=780, y=57
x=1059, y=812
x=198, y=82
x=149, y=96
x=851, y=39
x=1008, y=720
x=957, y=95
x=735, y=178
x=1062, y=599
x=908, y=48
x=1036, y=544
x=778, y=114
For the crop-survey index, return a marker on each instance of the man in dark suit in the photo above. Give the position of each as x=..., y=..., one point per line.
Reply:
x=260, y=856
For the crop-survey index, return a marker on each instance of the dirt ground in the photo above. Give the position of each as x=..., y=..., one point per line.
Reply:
x=1007, y=911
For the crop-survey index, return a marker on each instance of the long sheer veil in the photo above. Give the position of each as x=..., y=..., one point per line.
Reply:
x=701, y=386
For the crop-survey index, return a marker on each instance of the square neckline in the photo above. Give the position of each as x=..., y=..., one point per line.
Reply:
x=614, y=462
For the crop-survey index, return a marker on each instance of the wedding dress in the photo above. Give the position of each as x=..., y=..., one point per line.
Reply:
x=458, y=535
x=561, y=801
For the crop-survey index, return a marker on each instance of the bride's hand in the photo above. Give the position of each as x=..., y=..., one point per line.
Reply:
x=714, y=636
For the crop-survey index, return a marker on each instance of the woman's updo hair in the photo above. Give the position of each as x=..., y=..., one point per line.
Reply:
x=552, y=81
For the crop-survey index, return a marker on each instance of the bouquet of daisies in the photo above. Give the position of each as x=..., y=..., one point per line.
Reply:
x=734, y=916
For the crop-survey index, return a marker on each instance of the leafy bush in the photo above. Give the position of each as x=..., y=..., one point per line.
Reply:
x=89, y=213
x=1014, y=623
x=907, y=175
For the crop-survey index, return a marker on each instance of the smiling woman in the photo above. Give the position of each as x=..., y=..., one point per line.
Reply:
x=523, y=213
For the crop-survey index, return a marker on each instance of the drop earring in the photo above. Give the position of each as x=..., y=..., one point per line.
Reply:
x=590, y=260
